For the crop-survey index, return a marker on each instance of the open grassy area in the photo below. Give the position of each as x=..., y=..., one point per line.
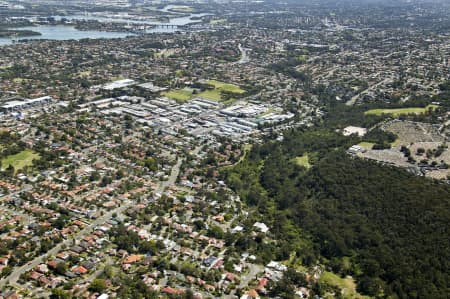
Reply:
x=211, y=94
x=183, y=95
x=399, y=111
x=226, y=86
x=20, y=160
x=186, y=94
x=397, y=142
x=303, y=161
x=179, y=95
x=347, y=285
x=367, y=145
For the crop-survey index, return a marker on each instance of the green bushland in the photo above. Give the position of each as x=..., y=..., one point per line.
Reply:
x=381, y=225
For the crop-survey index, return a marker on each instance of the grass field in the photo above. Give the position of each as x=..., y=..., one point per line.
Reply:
x=186, y=94
x=369, y=145
x=226, y=86
x=366, y=145
x=397, y=142
x=213, y=95
x=399, y=111
x=179, y=95
x=20, y=160
x=347, y=285
x=303, y=161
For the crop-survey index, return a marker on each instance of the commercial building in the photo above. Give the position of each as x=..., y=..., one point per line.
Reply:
x=16, y=105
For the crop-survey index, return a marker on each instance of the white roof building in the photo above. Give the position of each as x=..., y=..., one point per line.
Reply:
x=354, y=130
x=261, y=226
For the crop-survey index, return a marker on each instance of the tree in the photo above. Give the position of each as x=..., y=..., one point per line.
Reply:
x=98, y=285
x=6, y=271
x=61, y=268
x=9, y=171
x=216, y=232
x=60, y=294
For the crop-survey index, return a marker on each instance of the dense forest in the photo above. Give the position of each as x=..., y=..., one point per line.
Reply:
x=391, y=225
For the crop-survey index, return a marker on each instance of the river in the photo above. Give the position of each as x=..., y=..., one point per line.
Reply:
x=61, y=32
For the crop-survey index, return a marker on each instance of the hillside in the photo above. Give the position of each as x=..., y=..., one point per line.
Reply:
x=391, y=225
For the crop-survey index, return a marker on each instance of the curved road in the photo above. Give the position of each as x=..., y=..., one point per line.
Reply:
x=244, y=56
x=15, y=275
x=17, y=272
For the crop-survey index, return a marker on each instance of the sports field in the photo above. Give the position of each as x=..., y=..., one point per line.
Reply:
x=213, y=95
x=179, y=95
x=226, y=86
x=186, y=94
x=20, y=160
x=399, y=111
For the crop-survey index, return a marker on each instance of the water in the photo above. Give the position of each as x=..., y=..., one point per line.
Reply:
x=179, y=21
x=60, y=32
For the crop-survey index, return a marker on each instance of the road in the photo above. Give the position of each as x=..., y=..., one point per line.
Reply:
x=175, y=172
x=253, y=271
x=246, y=279
x=17, y=272
x=244, y=56
x=172, y=178
x=353, y=100
x=15, y=275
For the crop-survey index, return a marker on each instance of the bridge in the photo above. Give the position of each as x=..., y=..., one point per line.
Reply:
x=168, y=26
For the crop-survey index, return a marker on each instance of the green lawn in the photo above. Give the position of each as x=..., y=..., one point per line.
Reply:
x=226, y=86
x=303, y=161
x=186, y=94
x=399, y=111
x=367, y=145
x=211, y=94
x=179, y=95
x=347, y=285
x=20, y=160
x=397, y=142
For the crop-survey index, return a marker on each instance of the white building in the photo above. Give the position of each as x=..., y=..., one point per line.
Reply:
x=15, y=105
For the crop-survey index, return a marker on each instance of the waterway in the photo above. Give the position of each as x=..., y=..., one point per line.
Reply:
x=60, y=32
x=66, y=32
